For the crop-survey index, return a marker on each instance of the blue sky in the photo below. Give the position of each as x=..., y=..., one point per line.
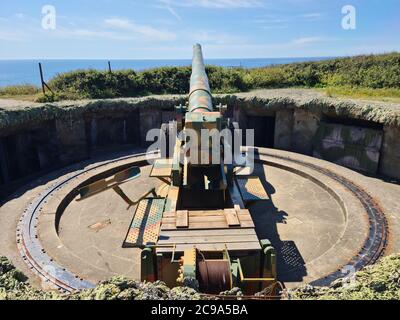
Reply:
x=166, y=29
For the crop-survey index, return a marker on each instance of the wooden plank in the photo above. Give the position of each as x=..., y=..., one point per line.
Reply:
x=209, y=219
x=108, y=183
x=203, y=213
x=243, y=171
x=231, y=217
x=211, y=232
x=197, y=213
x=209, y=239
x=206, y=212
x=205, y=225
x=244, y=246
x=182, y=219
x=162, y=168
x=173, y=193
x=179, y=233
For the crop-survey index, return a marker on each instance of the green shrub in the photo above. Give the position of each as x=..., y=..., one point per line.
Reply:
x=367, y=72
x=373, y=71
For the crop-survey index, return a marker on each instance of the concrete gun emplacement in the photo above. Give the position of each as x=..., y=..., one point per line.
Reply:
x=195, y=229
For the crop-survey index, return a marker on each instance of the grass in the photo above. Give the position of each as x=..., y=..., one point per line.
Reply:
x=388, y=95
x=20, y=92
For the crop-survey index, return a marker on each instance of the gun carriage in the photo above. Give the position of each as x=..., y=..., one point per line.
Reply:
x=196, y=229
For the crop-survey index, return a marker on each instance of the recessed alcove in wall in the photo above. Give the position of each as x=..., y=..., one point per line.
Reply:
x=29, y=151
x=264, y=130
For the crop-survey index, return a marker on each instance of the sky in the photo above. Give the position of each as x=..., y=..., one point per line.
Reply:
x=167, y=29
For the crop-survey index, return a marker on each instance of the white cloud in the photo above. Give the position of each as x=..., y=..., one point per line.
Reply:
x=20, y=15
x=145, y=31
x=308, y=40
x=11, y=36
x=311, y=16
x=91, y=34
x=166, y=4
x=276, y=26
x=271, y=20
x=213, y=37
x=218, y=4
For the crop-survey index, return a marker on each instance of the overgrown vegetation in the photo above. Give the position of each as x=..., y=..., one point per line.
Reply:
x=380, y=281
x=376, y=282
x=20, y=91
x=372, y=75
x=13, y=286
x=93, y=84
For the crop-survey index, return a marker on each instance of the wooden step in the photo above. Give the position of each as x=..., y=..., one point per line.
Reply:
x=212, y=219
x=231, y=217
x=182, y=219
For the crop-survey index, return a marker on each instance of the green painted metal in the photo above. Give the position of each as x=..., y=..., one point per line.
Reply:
x=109, y=182
x=268, y=259
x=200, y=99
x=148, y=265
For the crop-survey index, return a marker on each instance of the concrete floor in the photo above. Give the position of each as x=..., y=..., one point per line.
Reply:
x=306, y=224
x=94, y=230
x=302, y=221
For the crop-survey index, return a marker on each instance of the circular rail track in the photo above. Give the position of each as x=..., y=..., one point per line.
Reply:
x=52, y=273
x=376, y=242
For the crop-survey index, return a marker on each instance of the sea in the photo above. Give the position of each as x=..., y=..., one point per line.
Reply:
x=16, y=72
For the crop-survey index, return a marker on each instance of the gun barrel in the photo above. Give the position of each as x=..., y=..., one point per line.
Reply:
x=200, y=98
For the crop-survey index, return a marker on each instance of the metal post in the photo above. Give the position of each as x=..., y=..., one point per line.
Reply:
x=109, y=67
x=41, y=78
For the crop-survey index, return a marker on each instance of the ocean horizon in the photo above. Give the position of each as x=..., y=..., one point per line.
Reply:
x=17, y=72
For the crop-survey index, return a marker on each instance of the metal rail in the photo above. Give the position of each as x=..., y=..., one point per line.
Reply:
x=377, y=240
x=32, y=251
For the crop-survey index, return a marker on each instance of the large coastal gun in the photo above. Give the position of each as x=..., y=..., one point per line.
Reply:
x=200, y=233
x=195, y=229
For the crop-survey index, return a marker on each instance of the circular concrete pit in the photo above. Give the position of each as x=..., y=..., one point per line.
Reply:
x=317, y=219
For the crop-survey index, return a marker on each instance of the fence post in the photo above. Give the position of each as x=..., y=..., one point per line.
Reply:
x=44, y=84
x=109, y=67
x=41, y=78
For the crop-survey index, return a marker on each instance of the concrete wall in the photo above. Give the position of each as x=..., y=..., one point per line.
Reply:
x=150, y=118
x=240, y=116
x=355, y=147
x=283, y=129
x=32, y=149
x=305, y=125
x=4, y=176
x=57, y=143
x=53, y=144
x=29, y=151
x=390, y=155
x=71, y=136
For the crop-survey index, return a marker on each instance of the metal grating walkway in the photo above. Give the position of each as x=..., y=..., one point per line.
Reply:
x=251, y=189
x=146, y=224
